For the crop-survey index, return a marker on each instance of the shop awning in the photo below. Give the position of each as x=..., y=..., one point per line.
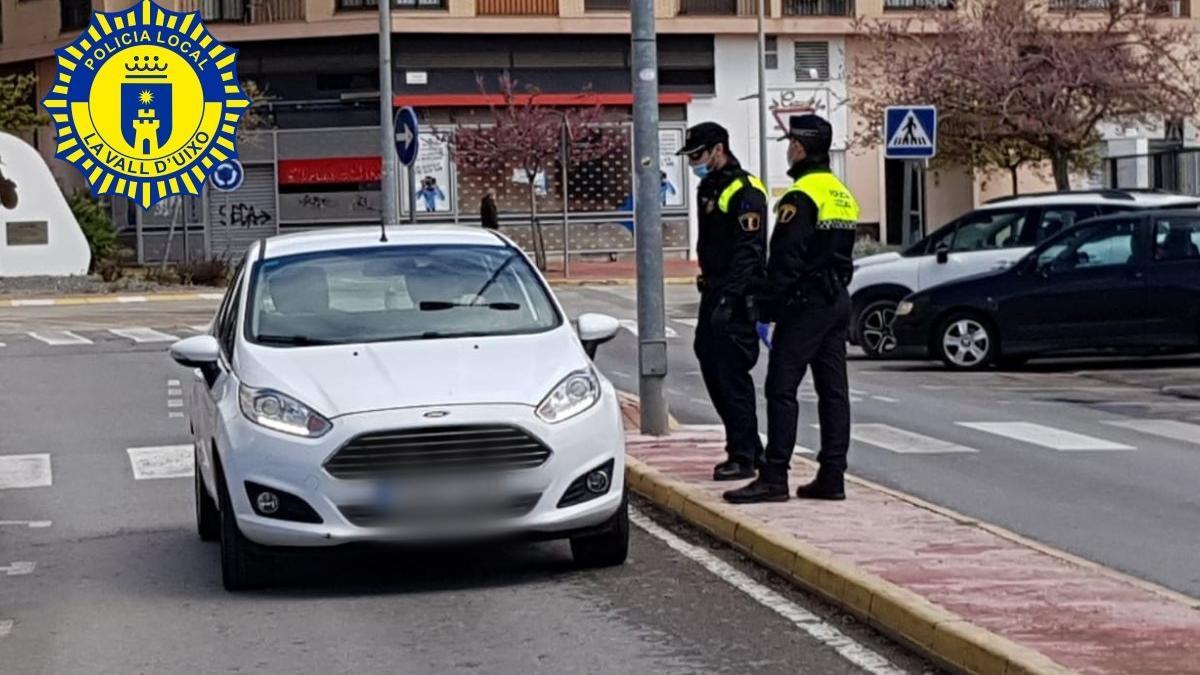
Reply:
x=563, y=100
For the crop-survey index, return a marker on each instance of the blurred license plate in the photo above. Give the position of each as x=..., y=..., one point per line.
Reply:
x=437, y=495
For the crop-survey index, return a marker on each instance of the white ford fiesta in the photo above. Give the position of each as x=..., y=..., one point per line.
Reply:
x=416, y=389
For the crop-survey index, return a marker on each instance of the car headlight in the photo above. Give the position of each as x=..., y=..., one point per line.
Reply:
x=576, y=393
x=904, y=308
x=281, y=413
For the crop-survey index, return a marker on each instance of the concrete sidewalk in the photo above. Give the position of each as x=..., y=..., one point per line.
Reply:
x=968, y=594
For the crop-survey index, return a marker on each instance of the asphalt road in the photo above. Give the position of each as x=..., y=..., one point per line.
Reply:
x=101, y=570
x=1058, y=451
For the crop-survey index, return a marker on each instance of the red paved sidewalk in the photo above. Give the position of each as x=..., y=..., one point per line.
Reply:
x=1079, y=615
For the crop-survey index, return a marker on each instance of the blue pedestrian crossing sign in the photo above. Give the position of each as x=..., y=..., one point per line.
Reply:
x=910, y=132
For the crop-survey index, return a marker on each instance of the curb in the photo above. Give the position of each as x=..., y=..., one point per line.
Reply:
x=109, y=299
x=932, y=631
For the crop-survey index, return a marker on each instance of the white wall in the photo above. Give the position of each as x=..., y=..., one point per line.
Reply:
x=39, y=200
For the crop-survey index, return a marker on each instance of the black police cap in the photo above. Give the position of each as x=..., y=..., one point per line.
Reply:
x=704, y=136
x=813, y=132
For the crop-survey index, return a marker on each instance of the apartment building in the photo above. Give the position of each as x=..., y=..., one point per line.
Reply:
x=317, y=164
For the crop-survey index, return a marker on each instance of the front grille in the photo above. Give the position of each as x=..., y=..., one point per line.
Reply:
x=362, y=515
x=437, y=450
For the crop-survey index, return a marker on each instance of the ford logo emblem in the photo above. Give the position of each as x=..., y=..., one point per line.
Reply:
x=436, y=414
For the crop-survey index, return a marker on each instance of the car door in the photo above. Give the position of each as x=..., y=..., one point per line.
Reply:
x=210, y=390
x=1173, y=281
x=1086, y=289
x=978, y=244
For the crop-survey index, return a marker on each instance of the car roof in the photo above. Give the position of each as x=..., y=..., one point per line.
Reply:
x=1136, y=198
x=345, y=238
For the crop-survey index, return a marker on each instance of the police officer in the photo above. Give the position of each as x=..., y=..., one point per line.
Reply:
x=809, y=269
x=732, y=252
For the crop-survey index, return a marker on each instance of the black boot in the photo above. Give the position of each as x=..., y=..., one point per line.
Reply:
x=733, y=470
x=829, y=485
x=761, y=490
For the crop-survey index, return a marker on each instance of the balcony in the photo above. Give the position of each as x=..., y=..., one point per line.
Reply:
x=712, y=7
x=1172, y=8
x=245, y=11
x=516, y=8
x=917, y=5
x=818, y=7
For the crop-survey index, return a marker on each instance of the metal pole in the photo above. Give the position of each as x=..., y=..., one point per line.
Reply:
x=412, y=192
x=762, y=95
x=906, y=205
x=566, y=157
x=652, y=345
x=387, y=131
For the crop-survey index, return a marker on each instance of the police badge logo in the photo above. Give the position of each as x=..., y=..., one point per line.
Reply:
x=146, y=103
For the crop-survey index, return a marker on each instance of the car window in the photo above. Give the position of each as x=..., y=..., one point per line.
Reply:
x=1055, y=219
x=226, y=313
x=1100, y=245
x=986, y=230
x=227, y=331
x=397, y=293
x=1176, y=239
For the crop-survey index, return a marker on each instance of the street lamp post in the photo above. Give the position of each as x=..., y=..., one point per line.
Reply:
x=387, y=130
x=762, y=95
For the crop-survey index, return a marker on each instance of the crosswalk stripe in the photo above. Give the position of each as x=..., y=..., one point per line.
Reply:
x=161, y=461
x=25, y=471
x=5, y=627
x=142, y=335
x=57, y=338
x=1047, y=437
x=692, y=323
x=904, y=442
x=632, y=326
x=1172, y=429
x=201, y=327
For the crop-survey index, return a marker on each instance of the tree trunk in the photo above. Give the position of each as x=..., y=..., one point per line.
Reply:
x=539, y=244
x=1062, y=170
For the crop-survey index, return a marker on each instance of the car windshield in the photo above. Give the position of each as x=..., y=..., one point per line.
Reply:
x=396, y=293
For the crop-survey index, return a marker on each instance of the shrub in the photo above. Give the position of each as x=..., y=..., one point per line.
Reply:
x=98, y=228
x=211, y=272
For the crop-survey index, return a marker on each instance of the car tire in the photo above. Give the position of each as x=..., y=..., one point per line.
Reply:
x=608, y=548
x=873, y=327
x=966, y=341
x=244, y=565
x=208, y=518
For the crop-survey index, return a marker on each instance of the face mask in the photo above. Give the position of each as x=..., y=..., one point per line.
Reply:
x=701, y=171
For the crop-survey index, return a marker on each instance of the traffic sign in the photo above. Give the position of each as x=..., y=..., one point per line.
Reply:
x=910, y=132
x=407, y=138
x=228, y=176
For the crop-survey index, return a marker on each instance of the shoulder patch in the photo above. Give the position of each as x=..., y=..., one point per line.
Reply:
x=750, y=222
x=786, y=213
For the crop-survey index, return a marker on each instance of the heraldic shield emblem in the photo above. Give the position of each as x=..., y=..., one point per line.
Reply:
x=146, y=103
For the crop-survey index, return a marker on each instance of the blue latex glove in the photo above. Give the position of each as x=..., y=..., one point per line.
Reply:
x=764, y=333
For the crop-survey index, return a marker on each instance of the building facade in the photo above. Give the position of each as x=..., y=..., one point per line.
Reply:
x=315, y=162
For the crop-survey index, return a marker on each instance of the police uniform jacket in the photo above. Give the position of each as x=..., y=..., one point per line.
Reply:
x=732, y=243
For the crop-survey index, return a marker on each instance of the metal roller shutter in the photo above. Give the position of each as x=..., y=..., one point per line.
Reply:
x=237, y=219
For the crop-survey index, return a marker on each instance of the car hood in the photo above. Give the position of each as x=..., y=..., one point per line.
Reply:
x=340, y=380
x=877, y=259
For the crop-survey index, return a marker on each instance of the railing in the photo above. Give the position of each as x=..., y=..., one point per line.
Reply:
x=1174, y=8
x=708, y=7
x=606, y=5
x=517, y=8
x=245, y=11
x=352, y=5
x=917, y=5
x=818, y=8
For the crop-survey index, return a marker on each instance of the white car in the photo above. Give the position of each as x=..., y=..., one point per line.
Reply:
x=990, y=238
x=424, y=388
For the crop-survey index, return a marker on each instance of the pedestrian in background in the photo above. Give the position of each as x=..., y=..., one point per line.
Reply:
x=489, y=215
x=732, y=255
x=810, y=266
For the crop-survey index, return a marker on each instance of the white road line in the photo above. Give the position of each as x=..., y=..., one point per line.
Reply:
x=32, y=524
x=854, y=652
x=1172, y=429
x=163, y=461
x=691, y=323
x=631, y=326
x=211, y=296
x=126, y=299
x=25, y=471
x=173, y=383
x=701, y=401
x=800, y=449
x=2, y=345
x=620, y=373
x=886, y=399
x=141, y=335
x=32, y=303
x=904, y=442
x=174, y=391
x=1047, y=437
x=175, y=415
x=56, y=338
x=18, y=569
x=174, y=403
x=201, y=327
x=5, y=627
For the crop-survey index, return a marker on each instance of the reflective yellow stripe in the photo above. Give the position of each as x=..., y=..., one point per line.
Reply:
x=837, y=209
x=734, y=187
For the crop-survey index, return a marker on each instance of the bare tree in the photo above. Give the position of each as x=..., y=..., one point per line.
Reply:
x=1017, y=82
x=527, y=135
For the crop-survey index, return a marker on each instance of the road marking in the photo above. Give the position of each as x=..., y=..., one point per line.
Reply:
x=1172, y=429
x=1047, y=437
x=18, y=569
x=701, y=401
x=174, y=391
x=632, y=326
x=174, y=403
x=691, y=323
x=56, y=338
x=175, y=415
x=25, y=471
x=126, y=299
x=5, y=627
x=2, y=345
x=854, y=652
x=211, y=296
x=800, y=449
x=904, y=442
x=886, y=399
x=161, y=461
x=32, y=524
x=201, y=327
x=141, y=335
x=173, y=383
x=32, y=303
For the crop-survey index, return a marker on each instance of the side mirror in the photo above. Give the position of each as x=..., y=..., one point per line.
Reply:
x=201, y=351
x=943, y=254
x=594, y=330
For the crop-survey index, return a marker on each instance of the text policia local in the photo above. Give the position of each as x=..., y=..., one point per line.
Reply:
x=113, y=43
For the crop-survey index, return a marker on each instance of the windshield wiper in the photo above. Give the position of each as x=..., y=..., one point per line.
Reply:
x=435, y=335
x=442, y=305
x=294, y=340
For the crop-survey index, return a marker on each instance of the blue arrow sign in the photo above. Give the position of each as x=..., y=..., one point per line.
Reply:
x=910, y=132
x=228, y=176
x=408, y=139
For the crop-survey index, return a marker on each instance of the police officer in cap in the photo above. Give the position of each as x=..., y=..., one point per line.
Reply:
x=810, y=267
x=732, y=251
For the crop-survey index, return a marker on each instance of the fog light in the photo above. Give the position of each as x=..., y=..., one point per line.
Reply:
x=267, y=503
x=597, y=482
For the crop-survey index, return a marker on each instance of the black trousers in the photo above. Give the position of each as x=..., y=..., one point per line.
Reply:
x=727, y=354
x=812, y=336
